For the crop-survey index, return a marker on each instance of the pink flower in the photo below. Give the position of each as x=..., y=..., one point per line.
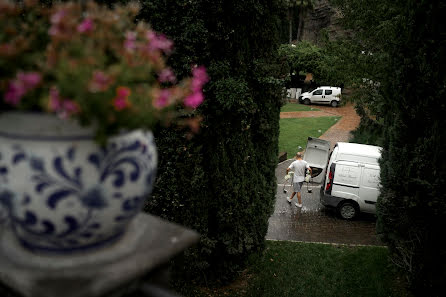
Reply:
x=194, y=100
x=199, y=78
x=123, y=92
x=158, y=42
x=86, y=26
x=56, y=23
x=130, y=41
x=70, y=107
x=24, y=82
x=99, y=82
x=63, y=107
x=162, y=99
x=15, y=92
x=167, y=75
x=29, y=79
x=55, y=103
x=121, y=101
x=58, y=16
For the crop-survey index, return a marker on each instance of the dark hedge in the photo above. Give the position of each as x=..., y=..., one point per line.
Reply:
x=401, y=87
x=407, y=45
x=412, y=205
x=221, y=182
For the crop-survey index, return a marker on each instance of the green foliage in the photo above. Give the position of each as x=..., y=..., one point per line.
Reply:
x=222, y=182
x=304, y=56
x=404, y=89
x=329, y=63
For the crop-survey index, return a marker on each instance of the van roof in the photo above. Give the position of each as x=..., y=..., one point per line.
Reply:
x=359, y=149
x=328, y=87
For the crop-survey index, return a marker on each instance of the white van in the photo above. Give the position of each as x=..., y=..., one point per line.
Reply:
x=322, y=95
x=352, y=179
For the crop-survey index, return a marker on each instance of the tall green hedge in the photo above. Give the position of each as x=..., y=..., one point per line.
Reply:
x=403, y=55
x=221, y=182
x=412, y=206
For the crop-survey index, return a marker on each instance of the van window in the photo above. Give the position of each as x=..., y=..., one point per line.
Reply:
x=328, y=92
x=317, y=92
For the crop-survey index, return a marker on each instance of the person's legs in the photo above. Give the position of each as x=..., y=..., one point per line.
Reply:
x=291, y=197
x=295, y=188
x=298, y=189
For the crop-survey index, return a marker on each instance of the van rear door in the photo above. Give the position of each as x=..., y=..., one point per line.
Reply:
x=316, y=155
x=346, y=180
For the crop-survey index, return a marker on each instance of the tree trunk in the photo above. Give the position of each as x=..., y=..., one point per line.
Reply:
x=301, y=23
x=290, y=24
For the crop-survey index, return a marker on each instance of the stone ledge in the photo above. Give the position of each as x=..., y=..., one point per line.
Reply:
x=149, y=243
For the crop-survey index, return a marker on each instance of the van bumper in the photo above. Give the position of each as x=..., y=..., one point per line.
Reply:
x=329, y=200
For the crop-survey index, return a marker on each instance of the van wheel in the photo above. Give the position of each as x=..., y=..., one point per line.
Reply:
x=334, y=103
x=348, y=210
x=307, y=101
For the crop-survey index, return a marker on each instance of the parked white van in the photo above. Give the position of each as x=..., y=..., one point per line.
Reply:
x=322, y=95
x=352, y=179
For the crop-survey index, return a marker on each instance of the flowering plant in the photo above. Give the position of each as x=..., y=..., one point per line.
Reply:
x=94, y=64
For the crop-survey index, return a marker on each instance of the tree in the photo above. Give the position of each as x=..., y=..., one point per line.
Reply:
x=222, y=182
x=302, y=6
x=400, y=47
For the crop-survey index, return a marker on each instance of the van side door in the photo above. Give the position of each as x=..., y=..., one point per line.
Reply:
x=316, y=96
x=346, y=180
x=328, y=96
x=369, y=187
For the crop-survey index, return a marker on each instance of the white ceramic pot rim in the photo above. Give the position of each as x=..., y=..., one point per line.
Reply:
x=22, y=125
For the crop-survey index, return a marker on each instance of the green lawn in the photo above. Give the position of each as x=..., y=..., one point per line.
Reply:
x=309, y=269
x=297, y=107
x=295, y=132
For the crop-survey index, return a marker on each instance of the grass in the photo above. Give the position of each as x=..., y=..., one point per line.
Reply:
x=297, y=107
x=295, y=132
x=308, y=269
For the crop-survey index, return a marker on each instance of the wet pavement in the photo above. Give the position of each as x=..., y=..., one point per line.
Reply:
x=313, y=222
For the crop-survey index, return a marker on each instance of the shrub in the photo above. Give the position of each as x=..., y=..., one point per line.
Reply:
x=410, y=83
x=222, y=183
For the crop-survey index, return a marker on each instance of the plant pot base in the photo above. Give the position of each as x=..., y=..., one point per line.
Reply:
x=148, y=244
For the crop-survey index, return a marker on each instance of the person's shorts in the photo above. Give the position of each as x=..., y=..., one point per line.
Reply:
x=297, y=186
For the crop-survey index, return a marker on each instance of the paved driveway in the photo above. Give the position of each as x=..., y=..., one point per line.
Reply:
x=312, y=222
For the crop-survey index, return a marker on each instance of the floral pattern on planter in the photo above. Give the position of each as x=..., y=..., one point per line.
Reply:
x=69, y=195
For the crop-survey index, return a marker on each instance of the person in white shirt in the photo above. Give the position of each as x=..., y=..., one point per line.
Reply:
x=299, y=167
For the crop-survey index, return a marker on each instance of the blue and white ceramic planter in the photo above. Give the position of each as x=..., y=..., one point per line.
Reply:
x=60, y=192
